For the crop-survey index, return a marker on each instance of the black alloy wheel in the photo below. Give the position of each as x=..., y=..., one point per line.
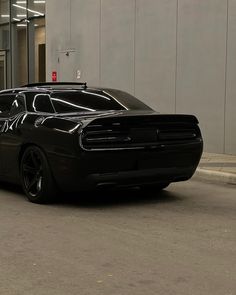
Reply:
x=36, y=177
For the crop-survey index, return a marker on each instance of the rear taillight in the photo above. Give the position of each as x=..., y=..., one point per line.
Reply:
x=113, y=133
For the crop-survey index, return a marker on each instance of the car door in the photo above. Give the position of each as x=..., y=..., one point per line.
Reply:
x=6, y=101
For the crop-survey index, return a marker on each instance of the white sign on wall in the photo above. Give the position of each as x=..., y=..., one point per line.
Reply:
x=78, y=74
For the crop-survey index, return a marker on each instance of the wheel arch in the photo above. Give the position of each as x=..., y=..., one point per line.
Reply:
x=23, y=148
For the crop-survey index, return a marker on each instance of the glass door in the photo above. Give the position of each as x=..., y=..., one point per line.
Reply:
x=28, y=41
x=3, y=70
x=22, y=42
x=19, y=42
x=36, y=50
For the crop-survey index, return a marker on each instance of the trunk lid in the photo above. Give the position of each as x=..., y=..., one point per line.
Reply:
x=130, y=130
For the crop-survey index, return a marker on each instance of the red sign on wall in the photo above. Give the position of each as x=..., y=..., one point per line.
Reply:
x=54, y=76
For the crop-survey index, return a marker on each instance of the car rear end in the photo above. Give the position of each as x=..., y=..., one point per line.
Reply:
x=130, y=149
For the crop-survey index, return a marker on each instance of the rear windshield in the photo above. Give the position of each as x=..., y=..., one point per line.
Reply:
x=94, y=100
x=128, y=100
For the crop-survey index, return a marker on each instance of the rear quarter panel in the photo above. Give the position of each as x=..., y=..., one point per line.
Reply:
x=57, y=137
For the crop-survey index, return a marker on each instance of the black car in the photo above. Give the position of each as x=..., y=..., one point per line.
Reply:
x=69, y=137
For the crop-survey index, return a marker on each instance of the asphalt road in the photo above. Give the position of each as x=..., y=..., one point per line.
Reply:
x=182, y=241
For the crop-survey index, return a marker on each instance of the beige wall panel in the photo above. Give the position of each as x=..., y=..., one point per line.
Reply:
x=201, y=66
x=85, y=32
x=57, y=32
x=156, y=53
x=117, y=44
x=230, y=122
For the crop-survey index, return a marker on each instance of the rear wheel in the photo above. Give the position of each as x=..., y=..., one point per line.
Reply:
x=36, y=177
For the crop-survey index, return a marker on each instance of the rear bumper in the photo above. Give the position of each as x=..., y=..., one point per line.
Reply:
x=135, y=178
x=126, y=168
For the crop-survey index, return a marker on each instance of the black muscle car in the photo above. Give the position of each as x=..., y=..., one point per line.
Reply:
x=67, y=136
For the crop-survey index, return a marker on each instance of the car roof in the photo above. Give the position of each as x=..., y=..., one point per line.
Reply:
x=51, y=87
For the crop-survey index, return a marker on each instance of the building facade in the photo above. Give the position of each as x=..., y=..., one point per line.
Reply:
x=179, y=56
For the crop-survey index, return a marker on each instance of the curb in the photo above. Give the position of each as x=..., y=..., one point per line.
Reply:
x=215, y=176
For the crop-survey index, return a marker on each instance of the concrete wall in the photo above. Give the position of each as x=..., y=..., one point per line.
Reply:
x=177, y=55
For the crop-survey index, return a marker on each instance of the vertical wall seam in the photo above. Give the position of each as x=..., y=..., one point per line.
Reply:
x=27, y=46
x=135, y=27
x=226, y=73
x=176, y=52
x=100, y=45
x=10, y=46
x=70, y=45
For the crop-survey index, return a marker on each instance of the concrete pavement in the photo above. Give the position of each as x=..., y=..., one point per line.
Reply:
x=218, y=168
x=180, y=241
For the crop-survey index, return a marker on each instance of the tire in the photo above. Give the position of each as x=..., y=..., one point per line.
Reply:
x=36, y=176
x=155, y=187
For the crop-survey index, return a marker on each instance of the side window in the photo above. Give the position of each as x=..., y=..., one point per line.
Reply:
x=6, y=101
x=18, y=105
x=42, y=103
